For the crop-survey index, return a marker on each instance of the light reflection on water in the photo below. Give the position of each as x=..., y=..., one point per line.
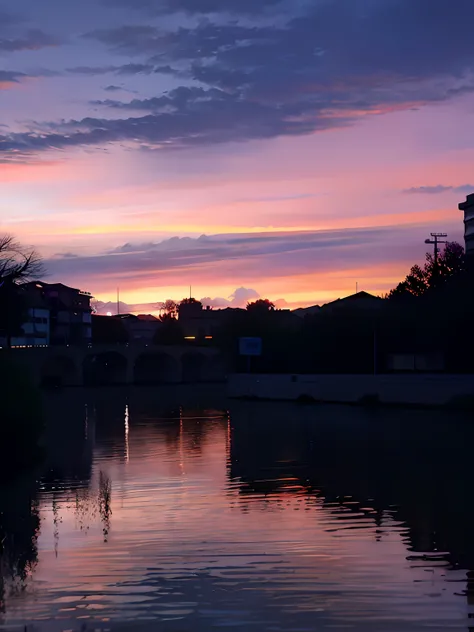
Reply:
x=270, y=517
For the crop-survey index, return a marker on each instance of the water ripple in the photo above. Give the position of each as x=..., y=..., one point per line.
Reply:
x=201, y=521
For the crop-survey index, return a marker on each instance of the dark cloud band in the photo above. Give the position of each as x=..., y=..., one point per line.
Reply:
x=262, y=255
x=193, y=7
x=441, y=188
x=322, y=67
x=34, y=39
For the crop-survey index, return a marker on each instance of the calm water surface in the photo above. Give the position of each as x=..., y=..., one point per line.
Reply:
x=261, y=517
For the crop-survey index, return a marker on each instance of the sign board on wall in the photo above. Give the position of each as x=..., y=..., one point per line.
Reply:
x=250, y=346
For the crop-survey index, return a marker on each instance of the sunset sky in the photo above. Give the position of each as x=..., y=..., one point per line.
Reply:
x=290, y=148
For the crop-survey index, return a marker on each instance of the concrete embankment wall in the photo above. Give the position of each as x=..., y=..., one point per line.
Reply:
x=421, y=390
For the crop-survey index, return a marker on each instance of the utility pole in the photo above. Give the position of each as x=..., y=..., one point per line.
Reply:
x=436, y=239
x=118, y=301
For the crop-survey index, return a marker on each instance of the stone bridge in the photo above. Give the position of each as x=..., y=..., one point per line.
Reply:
x=95, y=365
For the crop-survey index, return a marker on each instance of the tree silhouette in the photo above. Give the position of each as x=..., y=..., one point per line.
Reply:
x=450, y=265
x=416, y=283
x=164, y=318
x=19, y=530
x=190, y=301
x=262, y=305
x=17, y=265
x=171, y=308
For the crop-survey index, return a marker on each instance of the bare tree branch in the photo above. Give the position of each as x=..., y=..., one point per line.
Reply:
x=17, y=263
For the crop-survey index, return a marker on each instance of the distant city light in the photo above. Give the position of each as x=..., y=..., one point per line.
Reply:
x=190, y=338
x=109, y=313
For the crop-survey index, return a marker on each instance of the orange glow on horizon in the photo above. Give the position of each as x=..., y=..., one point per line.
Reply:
x=91, y=203
x=304, y=289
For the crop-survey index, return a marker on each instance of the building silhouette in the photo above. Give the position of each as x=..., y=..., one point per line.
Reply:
x=70, y=311
x=468, y=208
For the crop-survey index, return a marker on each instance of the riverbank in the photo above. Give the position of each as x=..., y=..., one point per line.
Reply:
x=21, y=421
x=454, y=391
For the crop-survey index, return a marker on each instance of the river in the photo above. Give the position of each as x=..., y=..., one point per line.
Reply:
x=175, y=509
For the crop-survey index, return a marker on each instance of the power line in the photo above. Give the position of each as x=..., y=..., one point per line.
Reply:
x=436, y=238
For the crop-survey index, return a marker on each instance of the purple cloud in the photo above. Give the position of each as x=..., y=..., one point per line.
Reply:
x=441, y=188
x=308, y=70
x=34, y=39
x=247, y=256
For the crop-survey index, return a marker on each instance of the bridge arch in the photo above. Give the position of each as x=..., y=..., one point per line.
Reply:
x=156, y=367
x=194, y=367
x=59, y=370
x=215, y=369
x=105, y=368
